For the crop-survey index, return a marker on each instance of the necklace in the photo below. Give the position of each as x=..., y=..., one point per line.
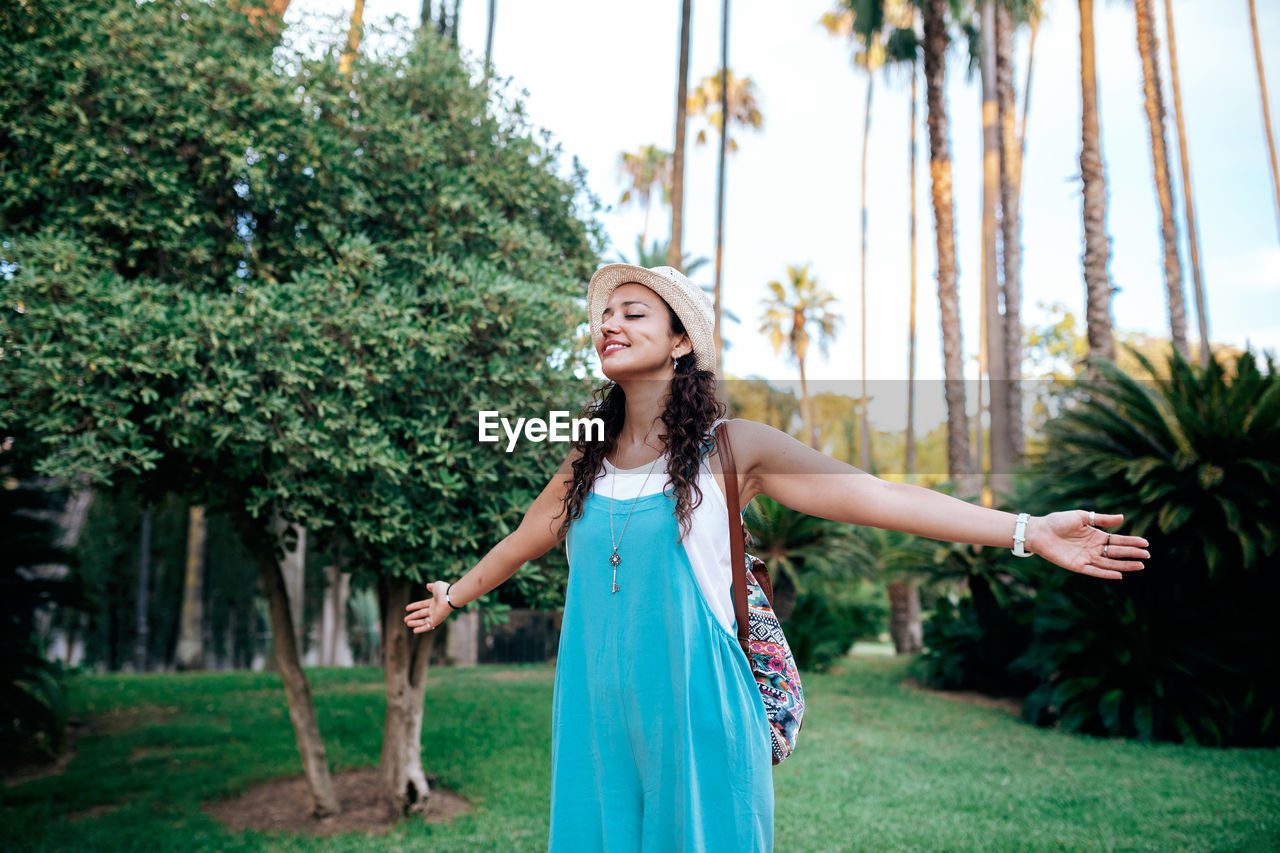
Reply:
x=616, y=559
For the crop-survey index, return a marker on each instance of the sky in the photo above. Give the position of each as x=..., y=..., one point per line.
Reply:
x=600, y=75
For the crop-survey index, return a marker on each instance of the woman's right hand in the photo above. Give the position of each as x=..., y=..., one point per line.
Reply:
x=426, y=615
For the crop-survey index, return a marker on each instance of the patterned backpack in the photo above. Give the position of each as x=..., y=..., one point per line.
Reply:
x=759, y=632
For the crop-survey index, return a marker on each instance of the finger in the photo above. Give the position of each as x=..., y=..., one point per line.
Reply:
x=1117, y=565
x=1102, y=519
x=1118, y=541
x=1098, y=572
x=1130, y=551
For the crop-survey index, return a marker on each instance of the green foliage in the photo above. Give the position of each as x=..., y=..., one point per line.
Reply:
x=831, y=617
x=299, y=307
x=1184, y=650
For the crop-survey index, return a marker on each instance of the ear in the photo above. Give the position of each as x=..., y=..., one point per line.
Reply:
x=682, y=348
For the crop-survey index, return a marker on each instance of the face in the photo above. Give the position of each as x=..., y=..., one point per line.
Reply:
x=635, y=337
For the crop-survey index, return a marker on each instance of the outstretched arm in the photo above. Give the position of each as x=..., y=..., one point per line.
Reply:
x=776, y=465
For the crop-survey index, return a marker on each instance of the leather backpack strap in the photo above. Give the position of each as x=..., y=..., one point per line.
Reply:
x=737, y=553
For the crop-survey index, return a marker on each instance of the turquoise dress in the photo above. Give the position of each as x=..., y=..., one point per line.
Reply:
x=660, y=742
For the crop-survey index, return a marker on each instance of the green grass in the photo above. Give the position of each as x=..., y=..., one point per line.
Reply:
x=879, y=767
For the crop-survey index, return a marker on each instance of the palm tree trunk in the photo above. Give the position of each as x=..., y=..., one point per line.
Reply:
x=1097, y=250
x=806, y=408
x=488, y=39
x=191, y=634
x=267, y=13
x=1153, y=98
x=675, y=247
x=910, y=460
x=724, y=149
x=864, y=431
x=1010, y=230
x=994, y=354
x=935, y=68
x=354, y=35
x=904, y=617
x=1266, y=108
x=1188, y=200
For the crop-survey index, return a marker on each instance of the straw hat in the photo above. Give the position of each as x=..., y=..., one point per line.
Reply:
x=690, y=303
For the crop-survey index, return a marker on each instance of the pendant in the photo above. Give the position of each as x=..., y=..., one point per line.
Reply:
x=614, y=561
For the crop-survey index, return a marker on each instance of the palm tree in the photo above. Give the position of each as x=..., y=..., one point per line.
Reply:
x=354, y=35
x=1266, y=108
x=643, y=169
x=715, y=97
x=1097, y=250
x=991, y=345
x=936, y=40
x=675, y=248
x=794, y=545
x=1012, y=145
x=1153, y=98
x=1188, y=203
x=488, y=39
x=790, y=313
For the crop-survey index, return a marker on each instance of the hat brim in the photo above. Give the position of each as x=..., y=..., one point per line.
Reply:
x=610, y=277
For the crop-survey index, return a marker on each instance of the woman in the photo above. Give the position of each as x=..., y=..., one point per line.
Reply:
x=660, y=741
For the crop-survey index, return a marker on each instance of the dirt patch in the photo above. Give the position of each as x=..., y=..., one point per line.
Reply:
x=1008, y=704
x=284, y=805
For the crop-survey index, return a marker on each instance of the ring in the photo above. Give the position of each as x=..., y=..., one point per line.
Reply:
x=1104, y=550
x=1091, y=518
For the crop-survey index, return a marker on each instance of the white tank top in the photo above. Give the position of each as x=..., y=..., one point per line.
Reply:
x=707, y=542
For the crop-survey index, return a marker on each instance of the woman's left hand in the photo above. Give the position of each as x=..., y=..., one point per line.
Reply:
x=1068, y=540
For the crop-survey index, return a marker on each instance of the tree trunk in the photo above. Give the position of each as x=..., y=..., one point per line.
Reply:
x=293, y=568
x=935, y=68
x=904, y=618
x=806, y=409
x=74, y=515
x=488, y=39
x=993, y=346
x=297, y=689
x=1097, y=250
x=335, y=649
x=1153, y=103
x=1188, y=197
x=1010, y=232
x=717, y=333
x=864, y=437
x=191, y=634
x=910, y=461
x=355, y=33
x=675, y=247
x=268, y=14
x=1266, y=105
x=402, y=783
x=140, y=607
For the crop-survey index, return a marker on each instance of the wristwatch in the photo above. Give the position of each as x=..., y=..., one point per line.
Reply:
x=1020, y=535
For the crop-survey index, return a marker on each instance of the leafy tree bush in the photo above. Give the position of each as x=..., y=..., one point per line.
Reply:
x=1185, y=650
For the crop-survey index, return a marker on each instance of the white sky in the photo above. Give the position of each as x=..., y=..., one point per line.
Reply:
x=601, y=76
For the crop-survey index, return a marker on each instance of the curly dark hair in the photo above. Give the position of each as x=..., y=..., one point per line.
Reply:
x=691, y=408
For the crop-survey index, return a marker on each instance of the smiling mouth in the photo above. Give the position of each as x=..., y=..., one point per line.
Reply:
x=611, y=348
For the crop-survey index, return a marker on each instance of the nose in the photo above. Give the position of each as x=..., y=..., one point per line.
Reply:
x=608, y=326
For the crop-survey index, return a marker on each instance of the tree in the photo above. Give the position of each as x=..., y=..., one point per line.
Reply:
x=1188, y=196
x=330, y=372
x=797, y=314
x=643, y=169
x=1153, y=103
x=720, y=95
x=936, y=41
x=1097, y=250
x=675, y=247
x=1266, y=106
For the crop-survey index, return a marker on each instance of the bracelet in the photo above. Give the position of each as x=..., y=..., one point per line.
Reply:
x=1020, y=535
x=452, y=606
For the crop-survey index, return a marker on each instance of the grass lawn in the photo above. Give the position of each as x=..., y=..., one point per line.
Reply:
x=879, y=766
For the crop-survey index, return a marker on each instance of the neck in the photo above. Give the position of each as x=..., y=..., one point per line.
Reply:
x=646, y=401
